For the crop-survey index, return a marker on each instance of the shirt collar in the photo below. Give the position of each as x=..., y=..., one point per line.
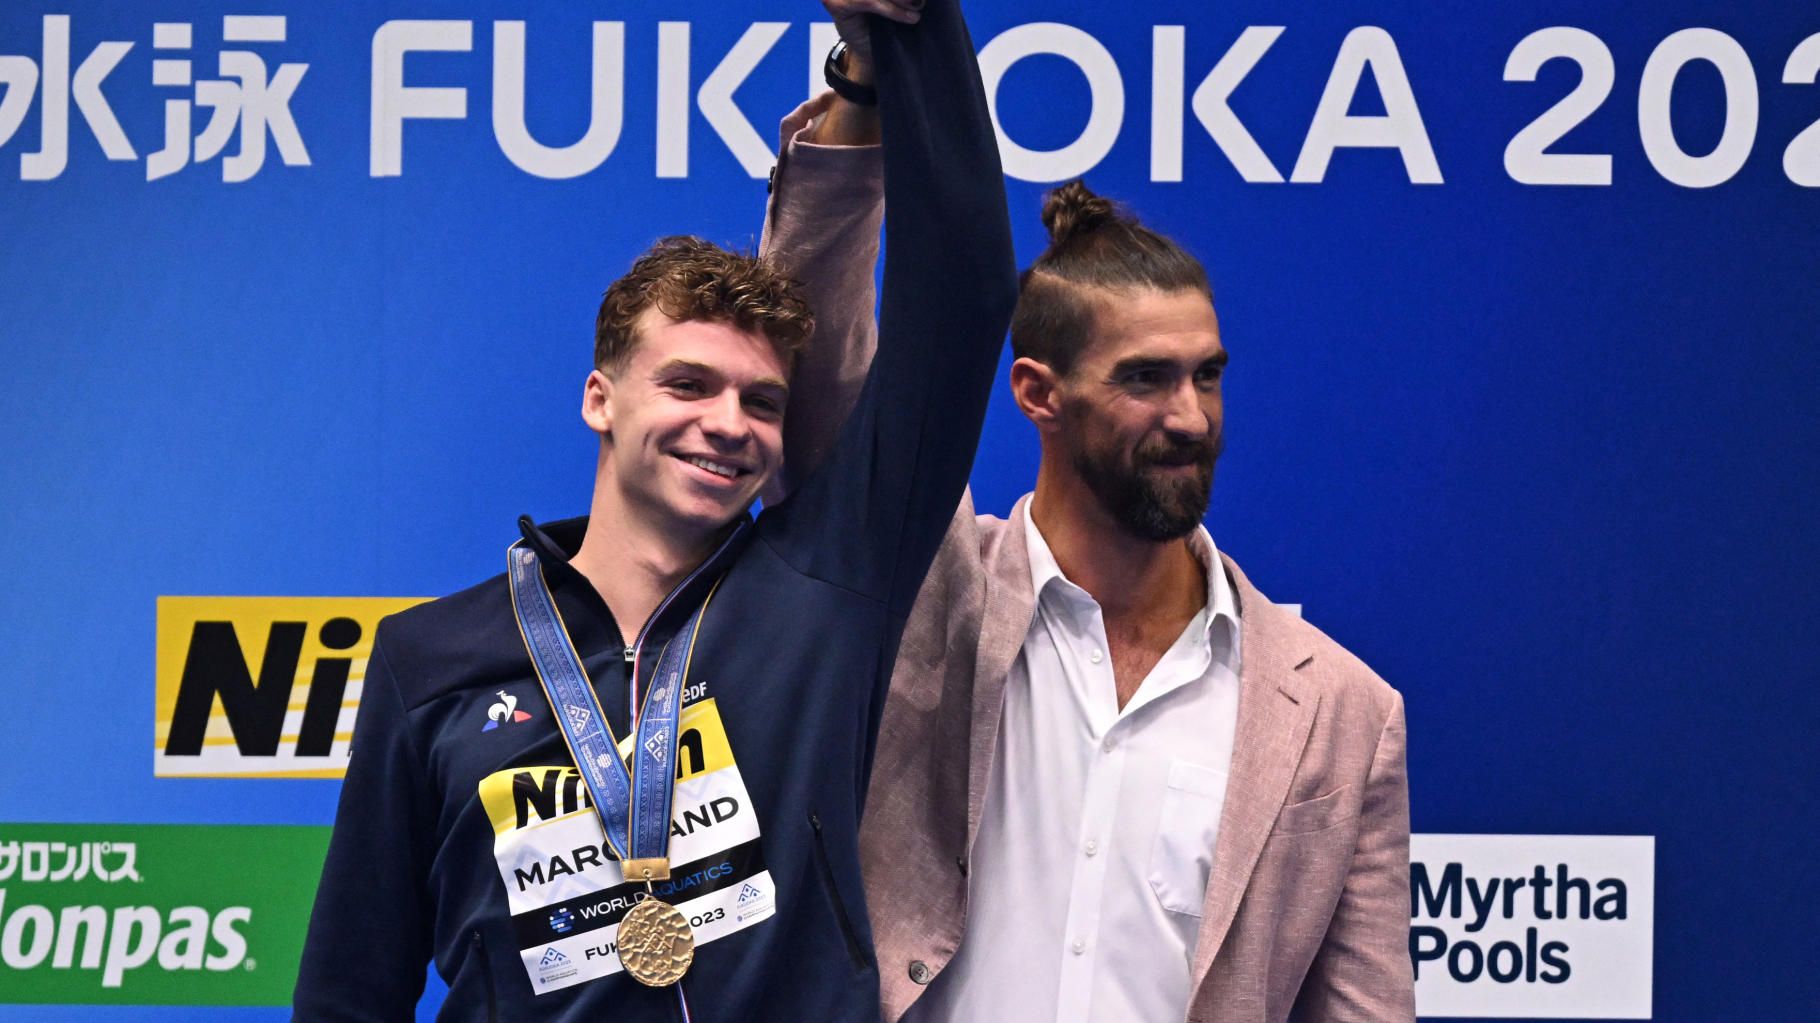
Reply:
x=1221, y=607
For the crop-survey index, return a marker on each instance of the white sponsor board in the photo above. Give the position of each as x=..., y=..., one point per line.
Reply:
x=1533, y=926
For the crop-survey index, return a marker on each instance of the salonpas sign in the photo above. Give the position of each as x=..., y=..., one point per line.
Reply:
x=154, y=914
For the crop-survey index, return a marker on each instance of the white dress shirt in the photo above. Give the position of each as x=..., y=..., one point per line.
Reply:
x=1096, y=839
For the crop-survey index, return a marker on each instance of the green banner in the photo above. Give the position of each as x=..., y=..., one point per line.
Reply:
x=154, y=914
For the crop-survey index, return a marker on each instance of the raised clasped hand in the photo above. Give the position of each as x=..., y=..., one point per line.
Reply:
x=850, y=21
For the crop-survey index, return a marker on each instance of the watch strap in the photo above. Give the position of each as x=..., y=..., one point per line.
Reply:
x=844, y=87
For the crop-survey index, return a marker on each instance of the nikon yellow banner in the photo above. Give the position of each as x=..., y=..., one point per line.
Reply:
x=262, y=686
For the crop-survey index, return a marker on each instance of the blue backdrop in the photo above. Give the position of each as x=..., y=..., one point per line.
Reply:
x=1544, y=455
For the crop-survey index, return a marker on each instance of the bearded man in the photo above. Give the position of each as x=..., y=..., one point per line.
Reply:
x=1114, y=781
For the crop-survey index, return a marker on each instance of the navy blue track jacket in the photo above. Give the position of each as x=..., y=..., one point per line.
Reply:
x=463, y=834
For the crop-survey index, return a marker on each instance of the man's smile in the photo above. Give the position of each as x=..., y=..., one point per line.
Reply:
x=719, y=469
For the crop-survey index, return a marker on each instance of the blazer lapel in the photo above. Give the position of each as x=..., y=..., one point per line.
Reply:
x=1004, y=625
x=1276, y=711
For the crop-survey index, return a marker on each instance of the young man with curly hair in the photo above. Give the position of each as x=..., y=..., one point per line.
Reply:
x=623, y=781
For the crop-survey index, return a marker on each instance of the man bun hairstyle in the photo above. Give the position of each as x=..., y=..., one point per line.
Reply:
x=688, y=278
x=1073, y=210
x=1095, y=245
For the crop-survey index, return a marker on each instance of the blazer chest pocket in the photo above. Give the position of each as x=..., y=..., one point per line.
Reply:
x=1317, y=814
x=1182, y=855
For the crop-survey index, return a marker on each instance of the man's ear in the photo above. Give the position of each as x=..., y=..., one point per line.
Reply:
x=597, y=403
x=1036, y=388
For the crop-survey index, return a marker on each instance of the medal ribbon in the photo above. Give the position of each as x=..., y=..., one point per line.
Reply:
x=634, y=808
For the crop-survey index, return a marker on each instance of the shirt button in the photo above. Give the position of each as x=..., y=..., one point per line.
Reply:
x=1096, y=656
x=919, y=972
x=1079, y=947
x=1093, y=847
x=1107, y=746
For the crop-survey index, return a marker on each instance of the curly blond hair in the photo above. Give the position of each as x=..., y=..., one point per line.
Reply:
x=688, y=278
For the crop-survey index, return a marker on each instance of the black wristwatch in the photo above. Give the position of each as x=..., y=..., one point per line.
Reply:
x=844, y=87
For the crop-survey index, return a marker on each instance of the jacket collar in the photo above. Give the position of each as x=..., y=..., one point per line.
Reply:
x=1005, y=621
x=556, y=542
x=1277, y=705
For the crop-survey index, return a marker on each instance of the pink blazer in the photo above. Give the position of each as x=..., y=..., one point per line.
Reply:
x=1307, y=909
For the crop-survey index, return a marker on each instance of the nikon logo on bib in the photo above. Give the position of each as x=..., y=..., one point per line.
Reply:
x=565, y=888
x=139, y=914
x=262, y=686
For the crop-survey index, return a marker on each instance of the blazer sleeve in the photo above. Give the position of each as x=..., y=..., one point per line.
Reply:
x=1362, y=973
x=821, y=227
x=871, y=516
x=369, y=936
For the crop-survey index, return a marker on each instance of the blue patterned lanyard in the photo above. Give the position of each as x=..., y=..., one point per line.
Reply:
x=634, y=808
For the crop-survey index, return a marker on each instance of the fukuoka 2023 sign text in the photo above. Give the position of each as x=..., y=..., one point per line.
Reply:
x=234, y=110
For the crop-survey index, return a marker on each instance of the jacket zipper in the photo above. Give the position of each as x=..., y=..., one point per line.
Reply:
x=479, y=946
x=854, y=951
x=638, y=644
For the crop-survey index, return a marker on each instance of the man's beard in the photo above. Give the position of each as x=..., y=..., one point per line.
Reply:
x=1144, y=503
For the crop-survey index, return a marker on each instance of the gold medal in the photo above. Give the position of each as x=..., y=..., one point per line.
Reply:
x=656, y=943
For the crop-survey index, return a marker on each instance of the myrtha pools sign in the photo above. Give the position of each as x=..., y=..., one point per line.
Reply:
x=156, y=914
x=1532, y=926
